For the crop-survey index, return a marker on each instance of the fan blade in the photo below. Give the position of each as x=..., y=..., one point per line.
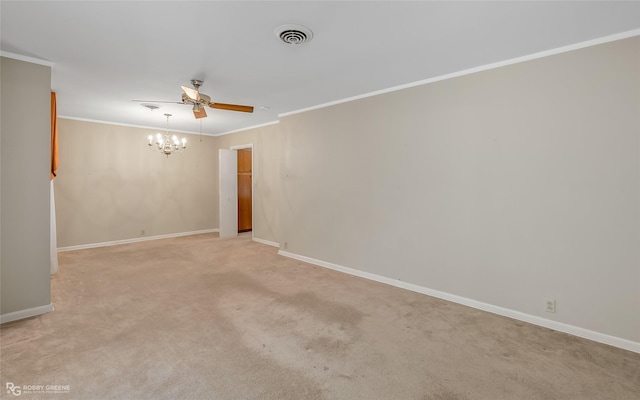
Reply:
x=201, y=113
x=231, y=107
x=192, y=93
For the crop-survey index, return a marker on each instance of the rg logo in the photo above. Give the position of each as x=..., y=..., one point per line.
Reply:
x=15, y=390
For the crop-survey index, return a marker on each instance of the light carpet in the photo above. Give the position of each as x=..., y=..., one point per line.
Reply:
x=201, y=317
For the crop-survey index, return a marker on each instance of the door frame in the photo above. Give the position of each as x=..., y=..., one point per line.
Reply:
x=228, y=193
x=248, y=146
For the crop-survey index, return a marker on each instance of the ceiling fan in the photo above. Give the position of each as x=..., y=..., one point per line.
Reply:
x=200, y=100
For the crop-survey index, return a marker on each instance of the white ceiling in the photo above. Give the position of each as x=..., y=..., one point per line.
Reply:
x=106, y=53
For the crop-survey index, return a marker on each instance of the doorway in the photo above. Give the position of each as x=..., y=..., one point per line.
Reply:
x=245, y=169
x=230, y=216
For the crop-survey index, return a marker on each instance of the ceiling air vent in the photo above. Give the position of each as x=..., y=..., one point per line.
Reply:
x=293, y=34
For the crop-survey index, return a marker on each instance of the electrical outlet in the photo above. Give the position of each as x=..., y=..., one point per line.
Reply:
x=285, y=245
x=550, y=305
x=142, y=233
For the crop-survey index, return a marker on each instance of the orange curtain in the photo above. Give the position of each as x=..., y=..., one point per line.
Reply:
x=54, y=136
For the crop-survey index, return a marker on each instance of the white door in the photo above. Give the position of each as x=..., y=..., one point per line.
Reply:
x=228, y=214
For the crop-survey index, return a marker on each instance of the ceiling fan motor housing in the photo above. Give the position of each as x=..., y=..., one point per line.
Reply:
x=204, y=99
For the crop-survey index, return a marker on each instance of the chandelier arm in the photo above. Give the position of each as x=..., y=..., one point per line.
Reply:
x=168, y=144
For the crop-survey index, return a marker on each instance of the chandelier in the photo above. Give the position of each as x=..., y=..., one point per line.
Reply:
x=167, y=144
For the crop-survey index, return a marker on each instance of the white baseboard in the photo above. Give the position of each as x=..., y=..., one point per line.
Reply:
x=22, y=314
x=532, y=319
x=267, y=242
x=135, y=240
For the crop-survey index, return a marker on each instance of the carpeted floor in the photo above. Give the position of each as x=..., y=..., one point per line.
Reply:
x=201, y=317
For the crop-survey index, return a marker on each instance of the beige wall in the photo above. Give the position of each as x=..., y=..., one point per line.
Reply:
x=266, y=155
x=507, y=186
x=111, y=186
x=24, y=200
